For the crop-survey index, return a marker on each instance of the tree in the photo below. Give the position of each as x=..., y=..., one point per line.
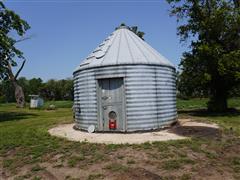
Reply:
x=35, y=84
x=6, y=92
x=134, y=29
x=10, y=22
x=57, y=89
x=137, y=32
x=67, y=89
x=213, y=63
x=49, y=90
x=24, y=83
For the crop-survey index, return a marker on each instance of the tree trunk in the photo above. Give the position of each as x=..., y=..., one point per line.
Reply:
x=19, y=95
x=218, y=101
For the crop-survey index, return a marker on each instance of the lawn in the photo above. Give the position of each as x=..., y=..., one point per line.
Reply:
x=27, y=151
x=198, y=103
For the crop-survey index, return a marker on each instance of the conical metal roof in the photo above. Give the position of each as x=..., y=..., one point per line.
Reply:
x=123, y=47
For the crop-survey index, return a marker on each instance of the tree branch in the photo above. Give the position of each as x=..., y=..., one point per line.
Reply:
x=25, y=38
x=11, y=76
x=20, y=69
x=10, y=71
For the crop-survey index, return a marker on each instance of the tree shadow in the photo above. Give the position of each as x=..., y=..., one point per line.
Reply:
x=196, y=131
x=205, y=113
x=15, y=116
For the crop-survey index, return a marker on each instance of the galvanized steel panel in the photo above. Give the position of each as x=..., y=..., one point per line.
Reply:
x=150, y=95
x=123, y=47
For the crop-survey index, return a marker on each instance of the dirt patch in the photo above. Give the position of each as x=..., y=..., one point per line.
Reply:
x=184, y=129
x=136, y=174
x=153, y=161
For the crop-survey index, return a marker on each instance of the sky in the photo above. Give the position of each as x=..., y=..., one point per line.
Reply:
x=64, y=32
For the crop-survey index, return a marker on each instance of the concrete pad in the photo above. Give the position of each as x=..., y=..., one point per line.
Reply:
x=67, y=131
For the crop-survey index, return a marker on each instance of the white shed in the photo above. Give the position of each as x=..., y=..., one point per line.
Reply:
x=36, y=101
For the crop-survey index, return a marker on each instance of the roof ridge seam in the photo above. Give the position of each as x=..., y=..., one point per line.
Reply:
x=151, y=50
x=130, y=35
x=156, y=53
x=119, y=46
x=129, y=47
x=108, y=49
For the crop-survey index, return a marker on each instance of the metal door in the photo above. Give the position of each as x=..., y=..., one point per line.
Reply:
x=111, y=103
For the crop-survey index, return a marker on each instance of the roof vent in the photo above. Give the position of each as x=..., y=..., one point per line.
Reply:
x=99, y=54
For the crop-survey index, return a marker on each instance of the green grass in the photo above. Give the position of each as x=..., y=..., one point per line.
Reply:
x=191, y=104
x=116, y=167
x=8, y=162
x=229, y=121
x=236, y=164
x=95, y=176
x=59, y=104
x=73, y=161
x=234, y=102
x=26, y=130
x=25, y=141
x=198, y=103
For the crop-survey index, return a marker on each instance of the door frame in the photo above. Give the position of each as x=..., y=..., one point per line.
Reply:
x=99, y=103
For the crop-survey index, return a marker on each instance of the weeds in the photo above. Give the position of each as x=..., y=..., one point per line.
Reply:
x=73, y=160
x=130, y=161
x=95, y=176
x=37, y=168
x=176, y=163
x=115, y=167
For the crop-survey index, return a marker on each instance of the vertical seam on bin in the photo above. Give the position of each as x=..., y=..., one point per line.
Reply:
x=156, y=100
x=130, y=35
x=129, y=47
x=87, y=95
x=168, y=114
x=108, y=49
x=145, y=45
x=119, y=46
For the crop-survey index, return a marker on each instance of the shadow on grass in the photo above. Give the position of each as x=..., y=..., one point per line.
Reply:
x=196, y=131
x=15, y=116
x=205, y=113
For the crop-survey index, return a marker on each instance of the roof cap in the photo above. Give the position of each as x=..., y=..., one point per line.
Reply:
x=122, y=26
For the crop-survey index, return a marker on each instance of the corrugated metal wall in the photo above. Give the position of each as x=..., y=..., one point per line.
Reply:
x=150, y=93
x=85, y=99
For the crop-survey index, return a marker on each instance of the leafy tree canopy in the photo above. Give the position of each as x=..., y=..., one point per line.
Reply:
x=213, y=64
x=50, y=90
x=9, y=23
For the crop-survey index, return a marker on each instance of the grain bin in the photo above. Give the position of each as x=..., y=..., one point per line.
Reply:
x=124, y=85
